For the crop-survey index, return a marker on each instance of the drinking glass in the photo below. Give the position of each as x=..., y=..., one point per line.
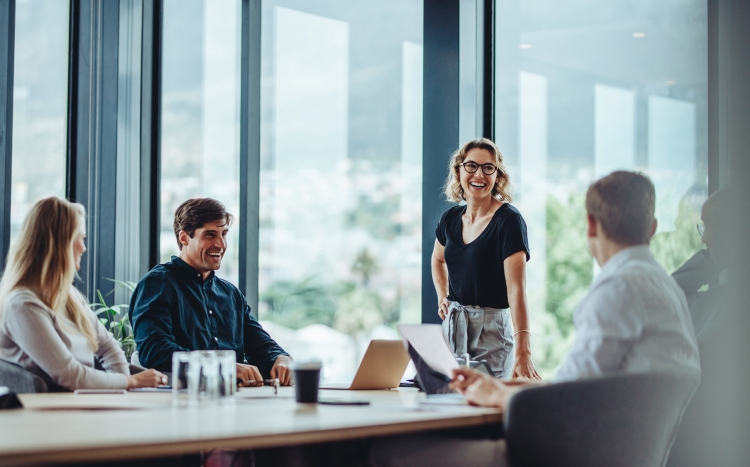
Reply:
x=227, y=373
x=182, y=364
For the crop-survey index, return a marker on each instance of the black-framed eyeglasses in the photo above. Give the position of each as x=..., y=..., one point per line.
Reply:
x=701, y=228
x=472, y=167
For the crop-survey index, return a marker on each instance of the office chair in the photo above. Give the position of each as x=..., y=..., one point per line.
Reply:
x=618, y=421
x=20, y=380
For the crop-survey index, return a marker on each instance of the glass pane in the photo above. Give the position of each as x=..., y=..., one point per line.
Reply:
x=341, y=175
x=584, y=88
x=40, y=105
x=200, y=115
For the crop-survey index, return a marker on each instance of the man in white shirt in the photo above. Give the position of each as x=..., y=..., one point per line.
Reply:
x=634, y=317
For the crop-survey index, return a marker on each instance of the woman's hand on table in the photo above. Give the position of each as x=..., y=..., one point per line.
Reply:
x=523, y=368
x=147, y=379
x=443, y=308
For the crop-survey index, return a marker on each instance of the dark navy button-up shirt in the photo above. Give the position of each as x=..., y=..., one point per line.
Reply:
x=173, y=309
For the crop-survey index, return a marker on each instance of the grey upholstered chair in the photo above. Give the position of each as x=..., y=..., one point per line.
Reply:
x=615, y=421
x=19, y=380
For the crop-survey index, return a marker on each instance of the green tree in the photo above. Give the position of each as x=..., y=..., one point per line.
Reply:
x=569, y=269
x=569, y=263
x=365, y=266
x=297, y=304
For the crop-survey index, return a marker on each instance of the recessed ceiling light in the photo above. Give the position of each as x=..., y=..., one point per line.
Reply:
x=524, y=46
x=639, y=35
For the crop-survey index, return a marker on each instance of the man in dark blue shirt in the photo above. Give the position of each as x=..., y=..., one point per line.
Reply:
x=181, y=305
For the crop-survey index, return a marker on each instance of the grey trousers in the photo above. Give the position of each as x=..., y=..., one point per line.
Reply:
x=484, y=333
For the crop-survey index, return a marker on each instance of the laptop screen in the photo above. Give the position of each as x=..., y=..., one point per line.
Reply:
x=433, y=382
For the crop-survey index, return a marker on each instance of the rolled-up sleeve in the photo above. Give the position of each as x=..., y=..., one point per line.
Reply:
x=151, y=319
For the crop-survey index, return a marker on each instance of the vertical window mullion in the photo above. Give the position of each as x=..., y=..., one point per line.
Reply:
x=7, y=43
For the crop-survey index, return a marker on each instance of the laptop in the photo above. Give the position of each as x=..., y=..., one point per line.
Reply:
x=434, y=362
x=382, y=367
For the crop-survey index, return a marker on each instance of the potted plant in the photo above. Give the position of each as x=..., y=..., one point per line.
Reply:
x=115, y=318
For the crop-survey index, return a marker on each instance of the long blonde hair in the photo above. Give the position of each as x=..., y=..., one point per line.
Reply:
x=42, y=260
x=453, y=189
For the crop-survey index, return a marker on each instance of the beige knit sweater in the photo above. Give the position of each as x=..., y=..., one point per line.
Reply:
x=49, y=345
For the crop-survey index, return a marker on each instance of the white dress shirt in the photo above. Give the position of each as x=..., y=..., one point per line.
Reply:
x=634, y=318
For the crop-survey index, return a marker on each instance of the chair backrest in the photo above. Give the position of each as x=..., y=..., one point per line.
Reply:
x=620, y=420
x=20, y=380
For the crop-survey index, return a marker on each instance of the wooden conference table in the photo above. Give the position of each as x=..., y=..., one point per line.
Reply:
x=76, y=428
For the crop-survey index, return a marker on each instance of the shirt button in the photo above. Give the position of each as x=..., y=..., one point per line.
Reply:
x=210, y=312
x=216, y=339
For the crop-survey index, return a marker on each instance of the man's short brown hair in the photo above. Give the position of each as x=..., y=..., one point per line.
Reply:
x=197, y=212
x=623, y=202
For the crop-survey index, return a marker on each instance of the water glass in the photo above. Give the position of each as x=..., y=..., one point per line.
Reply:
x=182, y=363
x=203, y=379
x=227, y=373
x=203, y=376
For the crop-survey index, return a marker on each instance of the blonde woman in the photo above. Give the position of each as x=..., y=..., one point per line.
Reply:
x=479, y=264
x=45, y=324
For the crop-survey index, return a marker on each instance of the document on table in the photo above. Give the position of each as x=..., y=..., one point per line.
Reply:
x=57, y=401
x=428, y=341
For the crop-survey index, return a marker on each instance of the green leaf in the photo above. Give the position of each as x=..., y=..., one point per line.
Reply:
x=101, y=299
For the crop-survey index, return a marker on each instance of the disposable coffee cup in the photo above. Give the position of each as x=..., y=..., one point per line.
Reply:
x=306, y=381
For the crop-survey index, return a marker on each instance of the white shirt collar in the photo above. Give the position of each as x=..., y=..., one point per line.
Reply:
x=623, y=256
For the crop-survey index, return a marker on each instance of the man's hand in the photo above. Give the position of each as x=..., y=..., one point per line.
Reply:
x=281, y=370
x=249, y=375
x=479, y=388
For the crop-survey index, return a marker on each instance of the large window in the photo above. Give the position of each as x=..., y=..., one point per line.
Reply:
x=584, y=88
x=341, y=158
x=40, y=105
x=200, y=115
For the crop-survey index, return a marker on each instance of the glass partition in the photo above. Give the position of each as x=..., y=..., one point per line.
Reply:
x=341, y=175
x=40, y=105
x=584, y=88
x=200, y=115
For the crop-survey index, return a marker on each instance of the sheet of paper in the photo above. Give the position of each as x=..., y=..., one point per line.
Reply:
x=57, y=401
x=428, y=341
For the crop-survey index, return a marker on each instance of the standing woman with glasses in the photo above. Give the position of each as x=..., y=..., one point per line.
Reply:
x=479, y=264
x=46, y=326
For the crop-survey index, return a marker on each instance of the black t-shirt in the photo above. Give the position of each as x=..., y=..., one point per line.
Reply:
x=475, y=271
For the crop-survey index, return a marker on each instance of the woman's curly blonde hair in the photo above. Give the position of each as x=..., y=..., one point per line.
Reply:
x=453, y=189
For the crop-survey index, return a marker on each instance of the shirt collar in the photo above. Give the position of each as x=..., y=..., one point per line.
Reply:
x=190, y=271
x=623, y=256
